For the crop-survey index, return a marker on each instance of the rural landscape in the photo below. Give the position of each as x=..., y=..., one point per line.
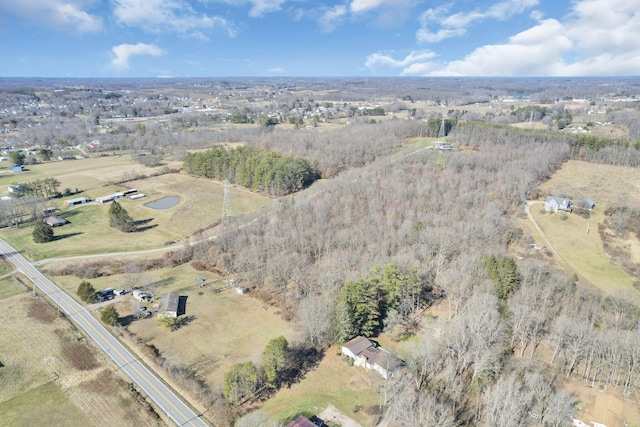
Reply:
x=334, y=252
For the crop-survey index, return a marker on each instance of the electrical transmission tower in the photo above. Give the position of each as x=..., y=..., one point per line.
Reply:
x=226, y=202
x=442, y=134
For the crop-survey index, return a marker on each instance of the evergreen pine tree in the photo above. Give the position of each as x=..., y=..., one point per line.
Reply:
x=119, y=218
x=42, y=232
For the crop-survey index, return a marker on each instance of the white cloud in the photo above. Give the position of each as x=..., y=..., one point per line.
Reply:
x=123, y=53
x=261, y=7
x=378, y=58
x=60, y=14
x=331, y=18
x=359, y=6
x=276, y=70
x=538, y=51
x=389, y=13
x=258, y=8
x=600, y=37
x=455, y=25
x=424, y=36
x=168, y=16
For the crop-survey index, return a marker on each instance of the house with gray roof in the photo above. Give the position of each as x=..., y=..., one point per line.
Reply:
x=370, y=356
x=555, y=204
x=169, y=305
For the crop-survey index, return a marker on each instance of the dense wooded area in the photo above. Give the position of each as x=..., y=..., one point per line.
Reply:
x=253, y=168
x=512, y=329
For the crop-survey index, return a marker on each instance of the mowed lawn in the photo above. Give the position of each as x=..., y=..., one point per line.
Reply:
x=226, y=327
x=608, y=186
x=88, y=231
x=584, y=252
x=333, y=382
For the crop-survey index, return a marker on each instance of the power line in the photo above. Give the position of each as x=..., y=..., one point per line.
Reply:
x=227, y=211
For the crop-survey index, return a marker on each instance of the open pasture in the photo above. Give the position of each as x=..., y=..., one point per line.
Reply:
x=84, y=174
x=607, y=185
x=89, y=232
x=584, y=252
x=51, y=376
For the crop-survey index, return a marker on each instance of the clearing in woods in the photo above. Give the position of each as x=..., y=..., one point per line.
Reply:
x=352, y=389
x=577, y=239
x=51, y=376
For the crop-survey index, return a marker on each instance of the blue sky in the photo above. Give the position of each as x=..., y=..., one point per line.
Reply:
x=228, y=38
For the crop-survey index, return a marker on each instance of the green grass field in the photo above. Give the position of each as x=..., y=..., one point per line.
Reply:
x=9, y=288
x=88, y=231
x=44, y=405
x=584, y=252
x=334, y=382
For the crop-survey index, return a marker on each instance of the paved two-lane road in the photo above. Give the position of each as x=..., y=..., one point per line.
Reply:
x=164, y=398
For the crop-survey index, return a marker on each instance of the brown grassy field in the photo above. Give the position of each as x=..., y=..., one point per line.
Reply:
x=607, y=185
x=226, y=328
x=84, y=174
x=88, y=231
x=51, y=376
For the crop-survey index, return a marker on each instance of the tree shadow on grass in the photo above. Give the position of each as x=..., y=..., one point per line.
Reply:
x=127, y=320
x=302, y=360
x=143, y=221
x=65, y=236
x=182, y=321
x=148, y=227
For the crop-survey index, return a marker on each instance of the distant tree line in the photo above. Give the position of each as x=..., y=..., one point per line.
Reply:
x=254, y=168
x=619, y=152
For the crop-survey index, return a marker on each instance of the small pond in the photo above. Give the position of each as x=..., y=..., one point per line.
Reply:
x=164, y=203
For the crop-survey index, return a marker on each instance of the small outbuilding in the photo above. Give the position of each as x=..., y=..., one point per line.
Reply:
x=169, y=305
x=16, y=169
x=141, y=296
x=587, y=203
x=76, y=201
x=55, y=221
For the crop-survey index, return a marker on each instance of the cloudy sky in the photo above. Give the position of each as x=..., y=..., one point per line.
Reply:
x=215, y=38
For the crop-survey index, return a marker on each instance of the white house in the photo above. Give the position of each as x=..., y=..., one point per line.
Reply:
x=367, y=354
x=555, y=204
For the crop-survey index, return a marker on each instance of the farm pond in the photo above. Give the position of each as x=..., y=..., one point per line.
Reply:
x=163, y=203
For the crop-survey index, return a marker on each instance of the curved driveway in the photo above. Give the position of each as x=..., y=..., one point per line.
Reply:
x=146, y=380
